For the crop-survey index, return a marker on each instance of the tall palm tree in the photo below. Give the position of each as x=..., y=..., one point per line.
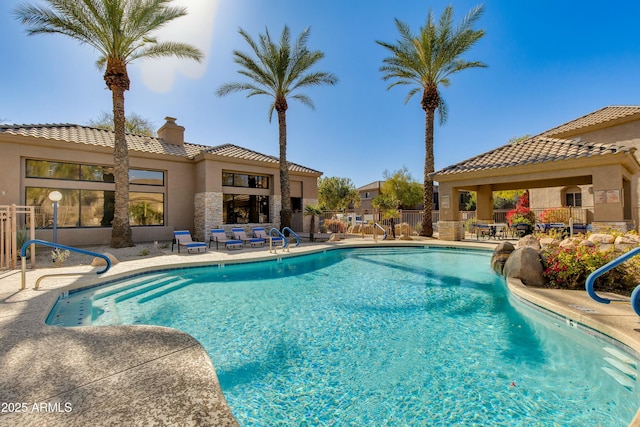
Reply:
x=278, y=71
x=121, y=31
x=426, y=60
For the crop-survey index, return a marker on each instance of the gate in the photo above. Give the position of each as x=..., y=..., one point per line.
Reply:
x=11, y=234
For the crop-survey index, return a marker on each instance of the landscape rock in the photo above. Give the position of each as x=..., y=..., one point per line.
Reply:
x=628, y=239
x=525, y=264
x=601, y=238
x=500, y=256
x=546, y=242
x=97, y=261
x=528, y=241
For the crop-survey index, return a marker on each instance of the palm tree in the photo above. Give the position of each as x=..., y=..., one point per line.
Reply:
x=426, y=61
x=121, y=32
x=278, y=71
x=312, y=210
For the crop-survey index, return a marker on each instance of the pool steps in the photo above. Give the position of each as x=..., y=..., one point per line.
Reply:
x=621, y=368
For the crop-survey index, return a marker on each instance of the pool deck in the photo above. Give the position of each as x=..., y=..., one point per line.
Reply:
x=149, y=375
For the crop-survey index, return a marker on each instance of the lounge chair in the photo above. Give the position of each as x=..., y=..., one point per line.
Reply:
x=241, y=234
x=183, y=238
x=219, y=236
x=261, y=233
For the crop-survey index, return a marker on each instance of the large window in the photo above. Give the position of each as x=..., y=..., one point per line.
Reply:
x=245, y=208
x=231, y=179
x=94, y=208
x=78, y=172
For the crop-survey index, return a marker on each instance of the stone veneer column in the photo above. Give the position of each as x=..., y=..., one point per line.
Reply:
x=450, y=230
x=208, y=214
x=276, y=205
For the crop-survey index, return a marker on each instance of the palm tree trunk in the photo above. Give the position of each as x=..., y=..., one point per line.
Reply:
x=285, y=187
x=121, y=229
x=427, y=218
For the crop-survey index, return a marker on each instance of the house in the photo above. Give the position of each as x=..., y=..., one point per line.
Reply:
x=619, y=125
x=590, y=162
x=174, y=184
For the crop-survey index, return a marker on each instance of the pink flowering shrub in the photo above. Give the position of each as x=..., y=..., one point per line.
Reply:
x=568, y=268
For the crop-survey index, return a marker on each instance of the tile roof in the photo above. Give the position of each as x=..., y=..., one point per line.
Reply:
x=375, y=185
x=598, y=119
x=233, y=151
x=141, y=143
x=537, y=149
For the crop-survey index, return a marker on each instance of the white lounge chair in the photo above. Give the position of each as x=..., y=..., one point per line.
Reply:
x=241, y=234
x=219, y=236
x=183, y=238
x=260, y=232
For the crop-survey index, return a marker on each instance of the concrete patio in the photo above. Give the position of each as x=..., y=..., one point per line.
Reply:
x=147, y=375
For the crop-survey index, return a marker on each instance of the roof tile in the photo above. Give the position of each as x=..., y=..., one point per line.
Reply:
x=141, y=143
x=537, y=149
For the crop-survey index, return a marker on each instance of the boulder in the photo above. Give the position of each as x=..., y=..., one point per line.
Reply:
x=570, y=242
x=628, y=239
x=588, y=243
x=602, y=238
x=525, y=264
x=97, y=261
x=528, y=241
x=546, y=242
x=500, y=256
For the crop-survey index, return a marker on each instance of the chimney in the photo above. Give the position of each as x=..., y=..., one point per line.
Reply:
x=171, y=133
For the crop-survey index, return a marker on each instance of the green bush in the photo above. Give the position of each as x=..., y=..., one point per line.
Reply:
x=568, y=268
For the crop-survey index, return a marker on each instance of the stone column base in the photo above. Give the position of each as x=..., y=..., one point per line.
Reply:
x=451, y=230
x=604, y=226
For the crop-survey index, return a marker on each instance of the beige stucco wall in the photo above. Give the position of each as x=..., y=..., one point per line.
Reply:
x=189, y=185
x=179, y=185
x=626, y=134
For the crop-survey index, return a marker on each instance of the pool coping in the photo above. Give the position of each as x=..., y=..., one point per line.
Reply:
x=142, y=375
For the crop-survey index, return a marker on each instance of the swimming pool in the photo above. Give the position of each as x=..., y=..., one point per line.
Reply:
x=376, y=336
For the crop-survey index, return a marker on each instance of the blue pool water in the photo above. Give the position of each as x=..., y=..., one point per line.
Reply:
x=376, y=336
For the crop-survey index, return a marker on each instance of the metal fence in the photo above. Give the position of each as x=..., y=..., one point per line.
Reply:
x=342, y=221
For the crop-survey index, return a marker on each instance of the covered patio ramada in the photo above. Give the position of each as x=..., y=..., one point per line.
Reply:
x=542, y=162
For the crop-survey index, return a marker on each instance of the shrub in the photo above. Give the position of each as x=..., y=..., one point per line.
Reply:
x=335, y=225
x=554, y=215
x=569, y=267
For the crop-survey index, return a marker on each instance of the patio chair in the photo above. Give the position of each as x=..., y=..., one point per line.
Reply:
x=260, y=232
x=241, y=234
x=219, y=236
x=521, y=229
x=183, y=238
x=482, y=230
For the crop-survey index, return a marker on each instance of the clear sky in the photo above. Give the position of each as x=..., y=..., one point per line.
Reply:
x=549, y=62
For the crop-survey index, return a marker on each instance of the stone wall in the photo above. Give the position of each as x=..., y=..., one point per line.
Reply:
x=605, y=226
x=450, y=230
x=208, y=214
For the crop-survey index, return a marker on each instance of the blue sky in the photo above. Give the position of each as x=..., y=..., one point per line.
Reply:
x=548, y=62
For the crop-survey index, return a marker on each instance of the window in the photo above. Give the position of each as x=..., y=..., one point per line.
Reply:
x=231, y=179
x=146, y=177
x=55, y=170
x=94, y=208
x=245, y=208
x=573, y=199
x=94, y=173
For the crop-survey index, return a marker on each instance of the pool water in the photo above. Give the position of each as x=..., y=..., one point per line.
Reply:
x=376, y=336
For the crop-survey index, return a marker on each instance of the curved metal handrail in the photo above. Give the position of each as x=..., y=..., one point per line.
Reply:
x=383, y=230
x=635, y=295
x=277, y=235
x=294, y=234
x=23, y=253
